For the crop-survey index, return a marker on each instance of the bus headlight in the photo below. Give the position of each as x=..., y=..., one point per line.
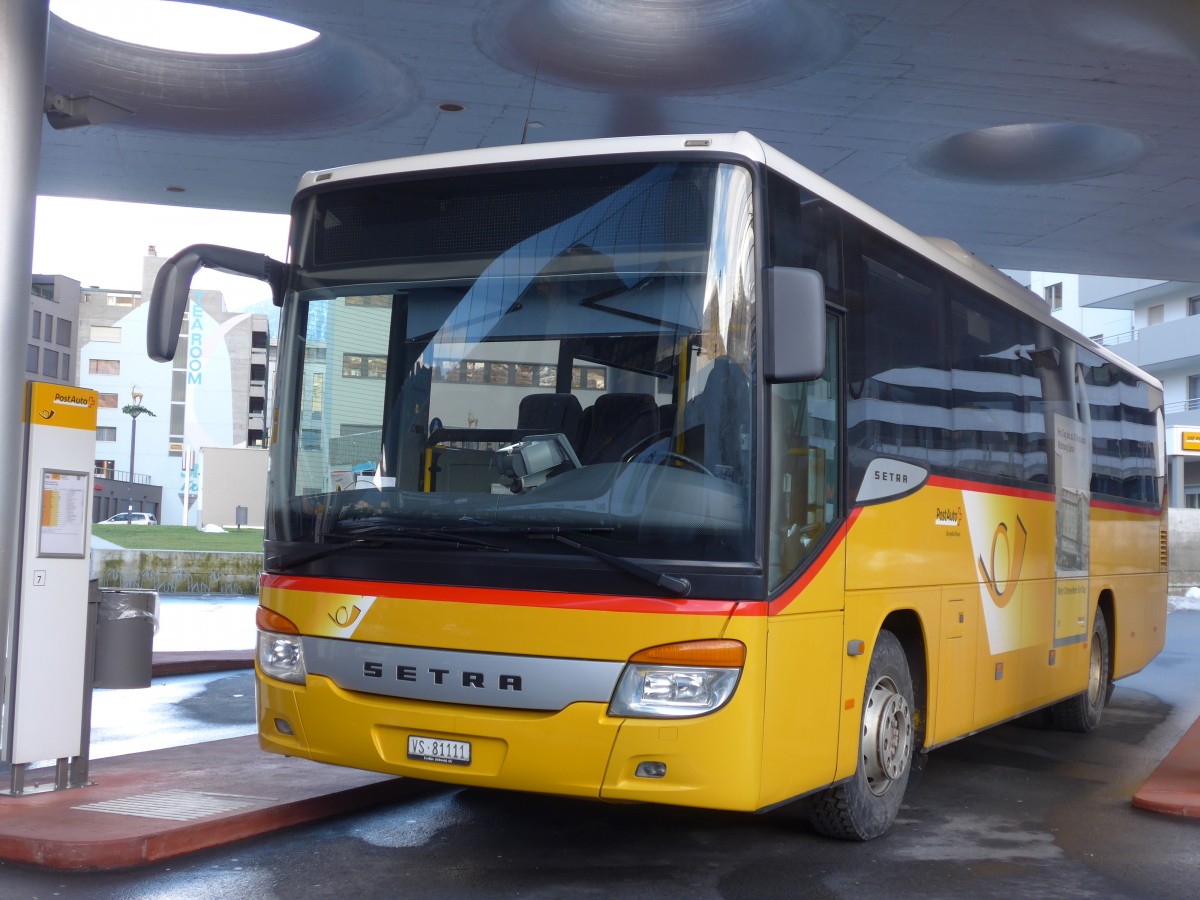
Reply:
x=281, y=656
x=679, y=680
x=280, y=647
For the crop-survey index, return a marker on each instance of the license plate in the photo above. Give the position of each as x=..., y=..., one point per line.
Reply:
x=436, y=750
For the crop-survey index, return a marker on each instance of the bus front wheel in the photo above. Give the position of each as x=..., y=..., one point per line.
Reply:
x=1081, y=713
x=866, y=806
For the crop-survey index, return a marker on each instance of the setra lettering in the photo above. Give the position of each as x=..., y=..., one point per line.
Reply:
x=444, y=677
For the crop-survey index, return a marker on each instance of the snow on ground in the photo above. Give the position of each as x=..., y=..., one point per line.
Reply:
x=1190, y=600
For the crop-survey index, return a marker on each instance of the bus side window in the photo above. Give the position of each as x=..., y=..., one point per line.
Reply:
x=805, y=488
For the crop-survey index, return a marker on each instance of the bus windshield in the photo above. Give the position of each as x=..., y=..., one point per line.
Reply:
x=561, y=351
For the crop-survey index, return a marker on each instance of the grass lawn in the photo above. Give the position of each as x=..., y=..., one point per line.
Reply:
x=179, y=537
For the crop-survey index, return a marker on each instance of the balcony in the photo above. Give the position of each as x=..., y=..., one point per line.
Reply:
x=1184, y=414
x=119, y=475
x=1169, y=345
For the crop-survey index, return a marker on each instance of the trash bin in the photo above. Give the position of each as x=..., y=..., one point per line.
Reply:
x=125, y=627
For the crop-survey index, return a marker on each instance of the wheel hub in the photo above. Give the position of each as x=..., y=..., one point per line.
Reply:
x=887, y=736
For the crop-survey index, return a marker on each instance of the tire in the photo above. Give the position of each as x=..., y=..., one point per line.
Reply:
x=865, y=807
x=1082, y=712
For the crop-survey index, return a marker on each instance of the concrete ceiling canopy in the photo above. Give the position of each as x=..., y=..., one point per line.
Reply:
x=1162, y=28
x=1036, y=153
x=326, y=85
x=663, y=47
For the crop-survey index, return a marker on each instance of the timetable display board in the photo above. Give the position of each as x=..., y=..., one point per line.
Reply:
x=64, y=514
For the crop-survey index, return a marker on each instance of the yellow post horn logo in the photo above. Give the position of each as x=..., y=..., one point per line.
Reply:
x=1016, y=558
x=344, y=618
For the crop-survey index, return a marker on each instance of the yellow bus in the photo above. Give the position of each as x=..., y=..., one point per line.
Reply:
x=661, y=469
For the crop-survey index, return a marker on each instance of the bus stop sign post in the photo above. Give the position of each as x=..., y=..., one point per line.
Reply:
x=46, y=675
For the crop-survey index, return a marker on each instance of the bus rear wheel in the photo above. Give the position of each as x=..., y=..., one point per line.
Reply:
x=1082, y=712
x=866, y=806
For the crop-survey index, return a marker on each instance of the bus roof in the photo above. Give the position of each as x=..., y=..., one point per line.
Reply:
x=939, y=250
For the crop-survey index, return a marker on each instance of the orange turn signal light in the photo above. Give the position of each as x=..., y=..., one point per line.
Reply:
x=712, y=652
x=269, y=620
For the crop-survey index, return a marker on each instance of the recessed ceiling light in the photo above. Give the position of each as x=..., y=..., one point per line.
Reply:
x=451, y=107
x=175, y=189
x=183, y=27
x=664, y=47
x=1031, y=153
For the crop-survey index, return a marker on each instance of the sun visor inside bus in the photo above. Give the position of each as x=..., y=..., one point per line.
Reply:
x=794, y=348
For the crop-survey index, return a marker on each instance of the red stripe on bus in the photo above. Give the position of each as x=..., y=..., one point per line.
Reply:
x=779, y=604
x=959, y=484
x=982, y=487
x=1114, y=506
x=498, y=597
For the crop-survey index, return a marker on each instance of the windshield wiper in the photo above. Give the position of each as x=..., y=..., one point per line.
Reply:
x=368, y=537
x=679, y=586
x=455, y=537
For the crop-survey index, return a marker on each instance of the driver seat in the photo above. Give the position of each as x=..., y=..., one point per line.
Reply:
x=619, y=422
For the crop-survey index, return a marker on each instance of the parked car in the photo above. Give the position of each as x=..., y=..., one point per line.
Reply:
x=131, y=518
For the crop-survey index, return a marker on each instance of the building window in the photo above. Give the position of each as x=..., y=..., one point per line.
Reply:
x=310, y=439
x=1155, y=314
x=105, y=468
x=50, y=363
x=47, y=328
x=107, y=334
x=64, y=333
x=108, y=401
x=104, y=366
x=1193, y=400
x=106, y=433
x=357, y=365
x=1053, y=294
x=66, y=367
x=31, y=358
x=36, y=330
x=45, y=291
x=318, y=393
x=590, y=377
x=380, y=301
x=1194, y=306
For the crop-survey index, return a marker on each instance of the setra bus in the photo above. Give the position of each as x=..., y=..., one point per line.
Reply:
x=661, y=469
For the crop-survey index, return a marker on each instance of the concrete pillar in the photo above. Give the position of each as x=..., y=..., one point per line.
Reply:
x=1176, y=496
x=23, y=30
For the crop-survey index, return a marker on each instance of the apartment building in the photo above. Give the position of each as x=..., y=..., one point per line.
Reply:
x=52, y=336
x=213, y=394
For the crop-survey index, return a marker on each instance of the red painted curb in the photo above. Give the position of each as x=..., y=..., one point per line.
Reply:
x=1174, y=788
x=70, y=830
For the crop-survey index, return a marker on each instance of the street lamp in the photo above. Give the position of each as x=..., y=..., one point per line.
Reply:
x=133, y=410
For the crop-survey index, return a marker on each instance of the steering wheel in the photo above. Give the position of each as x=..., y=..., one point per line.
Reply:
x=665, y=457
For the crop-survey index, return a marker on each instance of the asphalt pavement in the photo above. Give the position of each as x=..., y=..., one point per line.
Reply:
x=175, y=768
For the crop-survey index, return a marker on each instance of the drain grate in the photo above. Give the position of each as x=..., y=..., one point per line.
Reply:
x=174, y=806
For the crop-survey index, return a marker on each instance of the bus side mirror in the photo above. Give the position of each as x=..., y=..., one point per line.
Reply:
x=794, y=327
x=169, y=296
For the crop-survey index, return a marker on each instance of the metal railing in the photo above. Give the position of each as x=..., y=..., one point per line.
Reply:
x=1181, y=406
x=1124, y=337
x=120, y=475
